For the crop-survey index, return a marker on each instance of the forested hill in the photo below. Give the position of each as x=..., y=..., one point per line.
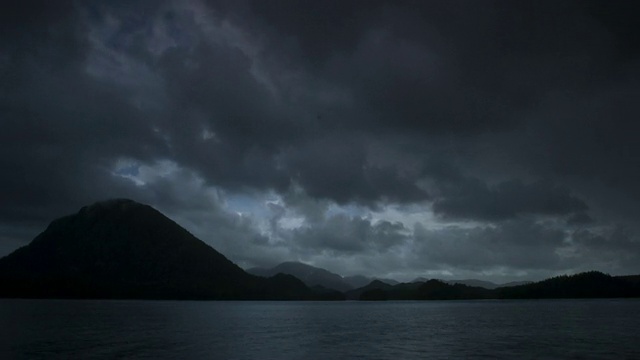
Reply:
x=591, y=284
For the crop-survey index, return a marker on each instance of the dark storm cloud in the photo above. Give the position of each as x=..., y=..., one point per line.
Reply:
x=216, y=92
x=59, y=135
x=579, y=218
x=590, y=136
x=338, y=168
x=41, y=29
x=257, y=140
x=315, y=31
x=464, y=68
x=531, y=107
x=443, y=66
x=60, y=129
x=417, y=68
x=474, y=199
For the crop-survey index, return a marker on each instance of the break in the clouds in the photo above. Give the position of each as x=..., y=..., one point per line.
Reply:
x=490, y=139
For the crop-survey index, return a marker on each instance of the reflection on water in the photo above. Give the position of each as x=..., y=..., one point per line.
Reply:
x=562, y=329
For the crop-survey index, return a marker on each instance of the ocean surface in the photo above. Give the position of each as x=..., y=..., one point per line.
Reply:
x=531, y=329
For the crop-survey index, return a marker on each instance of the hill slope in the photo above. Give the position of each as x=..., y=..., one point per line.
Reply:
x=310, y=275
x=123, y=249
x=591, y=284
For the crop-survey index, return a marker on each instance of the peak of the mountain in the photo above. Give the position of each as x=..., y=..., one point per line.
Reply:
x=374, y=287
x=358, y=281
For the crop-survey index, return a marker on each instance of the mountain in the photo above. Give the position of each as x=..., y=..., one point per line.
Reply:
x=419, y=290
x=373, y=291
x=592, y=284
x=358, y=281
x=477, y=283
x=123, y=249
x=474, y=283
x=312, y=276
x=439, y=290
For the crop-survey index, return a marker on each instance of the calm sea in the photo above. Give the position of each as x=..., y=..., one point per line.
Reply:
x=544, y=329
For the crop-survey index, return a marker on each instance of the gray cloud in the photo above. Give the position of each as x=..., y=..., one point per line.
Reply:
x=344, y=234
x=473, y=199
x=496, y=114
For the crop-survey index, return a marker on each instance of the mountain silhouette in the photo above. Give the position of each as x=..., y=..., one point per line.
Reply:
x=592, y=284
x=358, y=281
x=375, y=290
x=123, y=249
x=312, y=276
x=476, y=283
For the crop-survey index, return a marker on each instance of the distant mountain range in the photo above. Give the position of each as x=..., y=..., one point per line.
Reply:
x=310, y=275
x=591, y=284
x=315, y=276
x=120, y=249
x=477, y=283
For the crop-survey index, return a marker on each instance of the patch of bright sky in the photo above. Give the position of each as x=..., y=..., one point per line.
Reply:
x=257, y=205
x=290, y=223
x=128, y=169
x=209, y=135
x=160, y=168
x=125, y=167
x=349, y=209
x=141, y=174
x=423, y=214
x=253, y=204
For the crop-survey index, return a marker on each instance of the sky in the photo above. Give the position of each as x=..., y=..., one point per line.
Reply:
x=495, y=140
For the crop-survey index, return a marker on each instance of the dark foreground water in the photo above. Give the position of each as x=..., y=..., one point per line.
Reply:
x=545, y=329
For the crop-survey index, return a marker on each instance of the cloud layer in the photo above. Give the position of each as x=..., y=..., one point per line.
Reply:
x=408, y=139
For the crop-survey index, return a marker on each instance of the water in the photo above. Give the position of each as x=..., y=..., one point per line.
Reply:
x=544, y=329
